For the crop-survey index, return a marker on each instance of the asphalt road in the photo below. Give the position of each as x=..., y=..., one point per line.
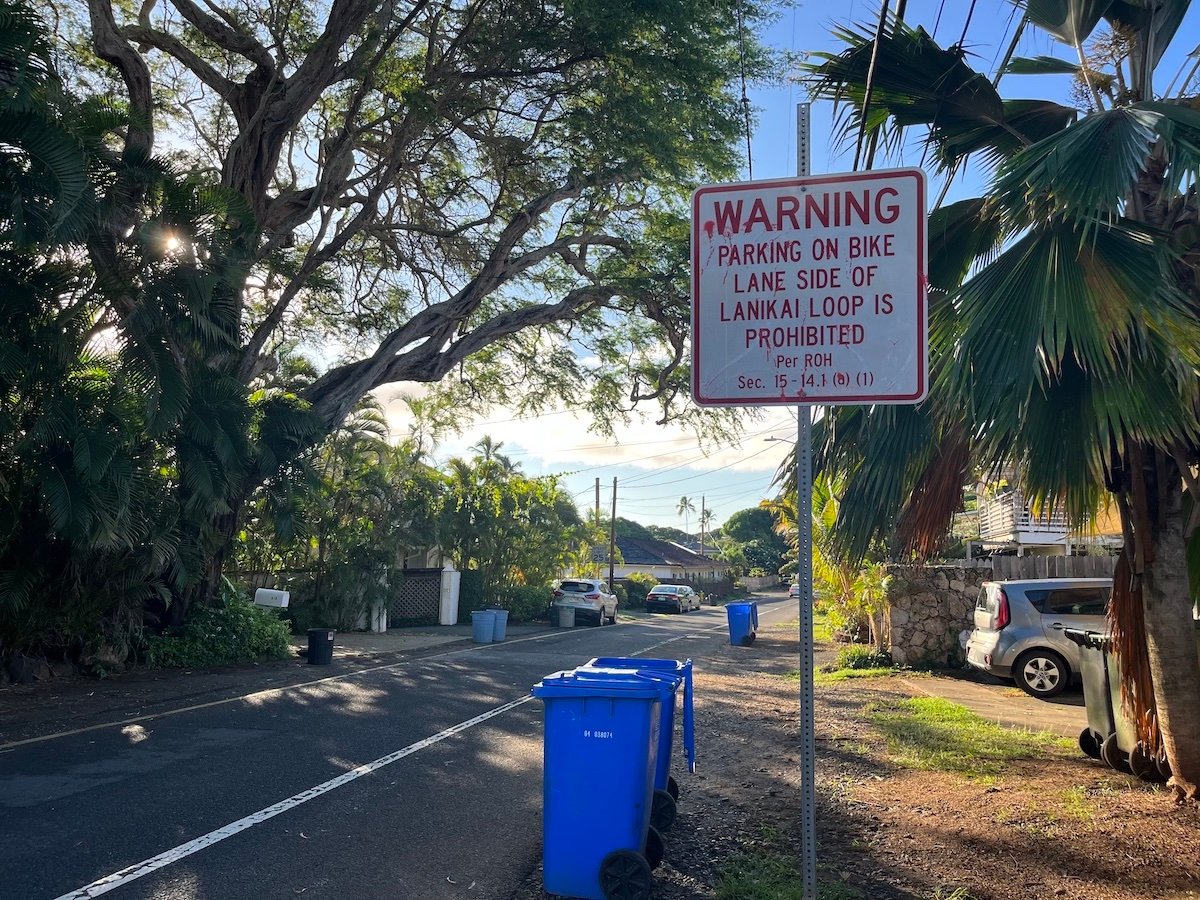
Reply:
x=418, y=781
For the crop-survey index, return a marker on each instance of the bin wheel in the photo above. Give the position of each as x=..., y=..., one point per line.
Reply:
x=625, y=875
x=1163, y=765
x=655, y=848
x=673, y=788
x=1114, y=757
x=1143, y=765
x=662, y=810
x=1089, y=743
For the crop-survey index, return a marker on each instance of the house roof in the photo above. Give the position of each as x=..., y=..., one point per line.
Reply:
x=644, y=552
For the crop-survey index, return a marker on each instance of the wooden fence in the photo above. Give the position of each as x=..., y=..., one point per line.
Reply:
x=1006, y=568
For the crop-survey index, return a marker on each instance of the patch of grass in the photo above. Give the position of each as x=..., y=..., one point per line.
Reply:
x=768, y=875
x=956, y=894
x=823, y=677
x=932, y=734
x=1077, y=805
x=822, y=631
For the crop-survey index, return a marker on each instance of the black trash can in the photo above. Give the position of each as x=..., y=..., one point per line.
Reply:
x=320, y=646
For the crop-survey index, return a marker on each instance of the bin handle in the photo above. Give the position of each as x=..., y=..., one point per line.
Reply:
x=689, y=725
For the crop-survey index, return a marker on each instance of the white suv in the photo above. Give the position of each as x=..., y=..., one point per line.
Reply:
x=589, y=596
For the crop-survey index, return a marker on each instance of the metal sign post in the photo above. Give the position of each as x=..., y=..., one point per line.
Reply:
x=808, y=754
x=809, y=291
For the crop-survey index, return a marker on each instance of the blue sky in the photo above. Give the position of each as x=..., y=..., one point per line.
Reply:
x=656, y=466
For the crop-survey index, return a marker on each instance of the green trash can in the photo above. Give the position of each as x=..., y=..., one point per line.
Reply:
x=1111, y=735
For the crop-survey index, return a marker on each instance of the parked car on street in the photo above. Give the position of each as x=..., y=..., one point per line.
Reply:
x=589, y=596
x=1018, y=629
x=794, y=592
x=672, y=597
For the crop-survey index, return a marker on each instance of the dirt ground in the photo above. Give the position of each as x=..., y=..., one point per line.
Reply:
x=1059, y=825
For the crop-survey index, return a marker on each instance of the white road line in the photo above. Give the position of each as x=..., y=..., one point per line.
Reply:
x=269, y=691
x=132, y=873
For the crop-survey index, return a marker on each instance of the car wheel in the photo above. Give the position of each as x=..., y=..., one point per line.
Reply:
x=1041, y=673
x=600, y=618
x=612, y=620
x=679, y=607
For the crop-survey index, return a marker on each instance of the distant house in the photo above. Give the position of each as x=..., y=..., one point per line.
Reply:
x=664, y=560
x=1008, y=523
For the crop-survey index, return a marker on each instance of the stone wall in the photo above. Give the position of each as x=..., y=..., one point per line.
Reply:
x=928, y=607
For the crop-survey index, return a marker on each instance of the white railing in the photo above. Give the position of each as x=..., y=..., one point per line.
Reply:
x=1007, y=517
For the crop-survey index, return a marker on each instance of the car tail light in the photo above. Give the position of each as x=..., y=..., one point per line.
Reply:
x=1002, y=615
x=591, y=596
x=557, y=594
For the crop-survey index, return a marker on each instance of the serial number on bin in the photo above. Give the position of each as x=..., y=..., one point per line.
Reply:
x=587, y=732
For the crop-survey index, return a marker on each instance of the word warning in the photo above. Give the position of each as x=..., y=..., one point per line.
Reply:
x=810, y=290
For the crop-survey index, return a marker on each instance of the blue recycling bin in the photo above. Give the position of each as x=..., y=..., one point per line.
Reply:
x=483, y=626
x=743, y=622
x=670, y=673
x=600, y=749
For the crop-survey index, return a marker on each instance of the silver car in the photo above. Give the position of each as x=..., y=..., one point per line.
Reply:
x=1018, y=629
x=589, y=596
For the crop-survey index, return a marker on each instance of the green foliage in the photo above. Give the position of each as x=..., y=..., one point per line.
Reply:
x=637, y=586
x=470, y=593
x=622, y=594
x=525, y=603
x=148, y=408
x=234, y=632
x=859, y=657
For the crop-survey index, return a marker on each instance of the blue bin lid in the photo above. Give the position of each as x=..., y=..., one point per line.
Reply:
x=599, y=683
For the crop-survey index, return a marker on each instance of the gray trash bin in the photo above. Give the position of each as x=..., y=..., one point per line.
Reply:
x=483, y=625
x=500, y=629
x=566, y=617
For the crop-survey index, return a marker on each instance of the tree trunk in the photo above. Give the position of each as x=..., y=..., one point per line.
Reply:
x=1171, y=648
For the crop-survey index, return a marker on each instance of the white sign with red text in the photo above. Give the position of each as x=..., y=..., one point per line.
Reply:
x=810, y=290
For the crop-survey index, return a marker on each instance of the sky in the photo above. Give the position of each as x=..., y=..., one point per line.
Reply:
x=657, y=466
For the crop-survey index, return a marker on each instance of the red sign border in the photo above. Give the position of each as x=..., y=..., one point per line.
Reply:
x=922, y=267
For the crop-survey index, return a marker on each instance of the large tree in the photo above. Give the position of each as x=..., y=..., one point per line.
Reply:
x=1063, y=331
x=475, y=193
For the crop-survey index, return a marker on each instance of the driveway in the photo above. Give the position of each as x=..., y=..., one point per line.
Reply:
x=1005, y=703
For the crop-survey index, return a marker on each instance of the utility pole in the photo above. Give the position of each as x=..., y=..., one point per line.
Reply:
x=612, y=537
x=701, y=524
x=597, y=500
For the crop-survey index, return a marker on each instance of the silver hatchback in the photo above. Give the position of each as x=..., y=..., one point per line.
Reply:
x=1018, y=629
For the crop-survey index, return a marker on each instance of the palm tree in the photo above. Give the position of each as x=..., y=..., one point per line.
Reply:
x=706, y=517
x=686, y=507
x=1063, y=326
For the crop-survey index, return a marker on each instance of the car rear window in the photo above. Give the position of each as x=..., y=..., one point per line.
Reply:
x=577, y=587
x=666, y=589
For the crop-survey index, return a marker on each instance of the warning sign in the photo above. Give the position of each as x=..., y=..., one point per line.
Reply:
x=810, y=290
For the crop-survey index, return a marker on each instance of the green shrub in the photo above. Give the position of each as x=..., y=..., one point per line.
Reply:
x=860, y=657
x=527, y=602
x=637, y=586
x=470, y=594
x=234, y=632
x=622, y=594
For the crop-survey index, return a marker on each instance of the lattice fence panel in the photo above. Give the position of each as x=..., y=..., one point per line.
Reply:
x=415, y=597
